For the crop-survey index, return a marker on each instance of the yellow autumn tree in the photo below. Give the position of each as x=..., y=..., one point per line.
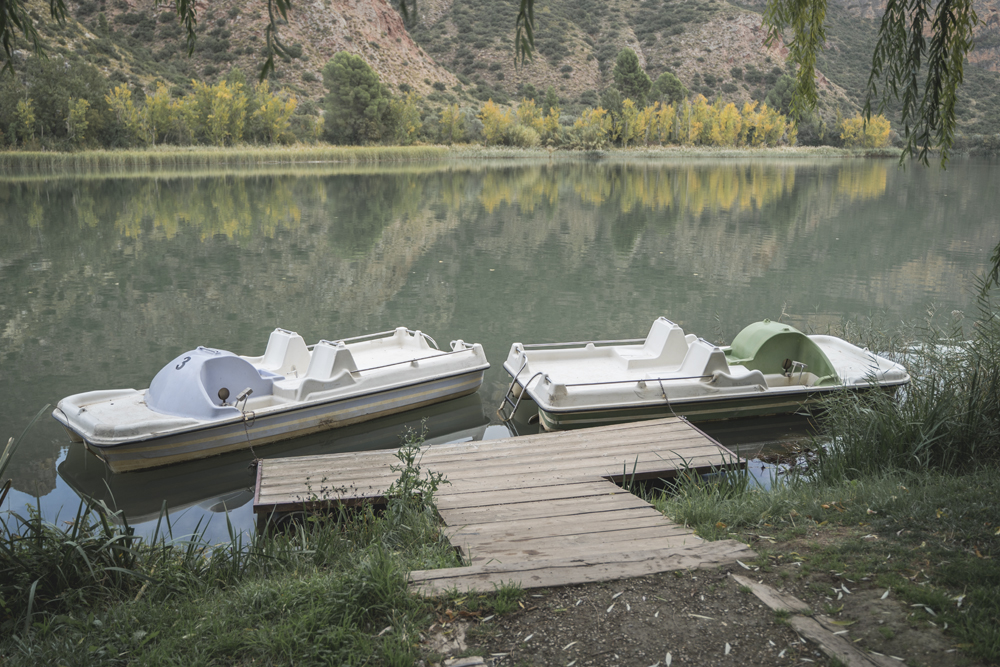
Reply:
x=551, y=130
x=496, y=123
x=590, y=130
x=629, y=117
x=663, y=123
x=272, y=113
x=451, y=124
x=644, y=125
x=529, y=115
x=749, y=118
x=726, y=126
x=220, y=111
x=856, y=133
x=700, y=125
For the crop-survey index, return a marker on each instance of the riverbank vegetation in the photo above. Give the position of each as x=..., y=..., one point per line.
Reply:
x=327, y=590
x=72, y=106
x=902, y=492
x=200, y=157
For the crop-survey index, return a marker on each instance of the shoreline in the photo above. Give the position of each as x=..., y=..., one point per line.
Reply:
x=23, y=163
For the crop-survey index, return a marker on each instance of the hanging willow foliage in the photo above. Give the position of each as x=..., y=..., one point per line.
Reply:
x=924, y=75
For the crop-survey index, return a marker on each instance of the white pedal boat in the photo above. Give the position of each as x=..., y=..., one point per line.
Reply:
x=770, y=369
x=207, y=402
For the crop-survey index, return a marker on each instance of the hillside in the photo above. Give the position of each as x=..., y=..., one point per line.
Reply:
x=715, y=48
x=139, y=41
x=455, y=52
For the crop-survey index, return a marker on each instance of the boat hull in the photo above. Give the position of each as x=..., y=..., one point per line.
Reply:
x=261, y=429
x=716, y=409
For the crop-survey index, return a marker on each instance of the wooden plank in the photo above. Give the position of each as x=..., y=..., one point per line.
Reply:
x=545, y=573
x=483, y=535
x=773, y=598
x=614, y=521
x=818, y=629
x=563, y=438
x=835, y=646
x=543, y=470
x=492, y=496
x=574, y=546
x=478, y=464
x=494, y=449
x=598, y=536
x=521, y=511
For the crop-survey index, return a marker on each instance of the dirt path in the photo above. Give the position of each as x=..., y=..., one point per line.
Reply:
x=701, y=617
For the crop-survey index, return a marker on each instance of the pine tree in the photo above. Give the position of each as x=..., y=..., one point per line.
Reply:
x=357, y=104
x=630, y=79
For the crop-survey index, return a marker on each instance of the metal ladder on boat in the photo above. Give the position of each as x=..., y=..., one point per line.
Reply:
x=510, y=401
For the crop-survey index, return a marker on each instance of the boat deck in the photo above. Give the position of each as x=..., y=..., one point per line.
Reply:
x=540, y=510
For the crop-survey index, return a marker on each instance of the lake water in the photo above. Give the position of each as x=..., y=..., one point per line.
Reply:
x=105, y=279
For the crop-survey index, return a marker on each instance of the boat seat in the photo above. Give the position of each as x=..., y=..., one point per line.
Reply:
x=329, y=359
x=739, y=376
x=703, y=359
x=329, y=368
x=286, y=354
x=665, y=346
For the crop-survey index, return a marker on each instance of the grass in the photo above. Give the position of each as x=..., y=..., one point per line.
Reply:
x=168, y=157
x=328, y=589
x=936, y=538
x=947, y=418
x=904, y=495
x=476, y=151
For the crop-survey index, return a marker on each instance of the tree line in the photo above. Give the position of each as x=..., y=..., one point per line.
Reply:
x=68, y=105
x=58, y=104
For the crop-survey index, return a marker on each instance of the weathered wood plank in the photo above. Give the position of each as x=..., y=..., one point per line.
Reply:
x=818, y=629
x=522, y=511
x=836, y=646
x=598, y=567
x=593, y=524
x=600, y=437
x=478, y=464
x=773, y=598
x=604, y=534
x=573, y=546
x=656, y=467
x=563, y=438
x=493, y=495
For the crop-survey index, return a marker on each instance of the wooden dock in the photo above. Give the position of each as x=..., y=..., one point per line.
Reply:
x=540, y=510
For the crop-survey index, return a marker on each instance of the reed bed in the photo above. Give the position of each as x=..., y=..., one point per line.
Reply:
x=24, y=163
x=947, y=419
x=477, y=151
x=902, y=483
x=173, y=157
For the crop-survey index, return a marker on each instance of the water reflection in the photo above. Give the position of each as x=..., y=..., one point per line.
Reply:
x=104, y=279
x=226, y=483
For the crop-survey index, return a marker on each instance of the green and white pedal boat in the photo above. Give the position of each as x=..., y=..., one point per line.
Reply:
x=770, y=369
x=207, y=401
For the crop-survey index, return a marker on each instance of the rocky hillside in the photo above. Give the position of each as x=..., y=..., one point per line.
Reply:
x=710, y=45
x=139, y=41
x=714, y=47
x=457, y=52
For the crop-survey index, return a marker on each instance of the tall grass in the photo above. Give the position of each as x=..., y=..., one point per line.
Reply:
x=25, y=162
x=915, y=472
x=329, y=589
x=946, y=419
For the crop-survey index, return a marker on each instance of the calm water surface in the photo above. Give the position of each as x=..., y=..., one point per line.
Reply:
x=105, y=279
